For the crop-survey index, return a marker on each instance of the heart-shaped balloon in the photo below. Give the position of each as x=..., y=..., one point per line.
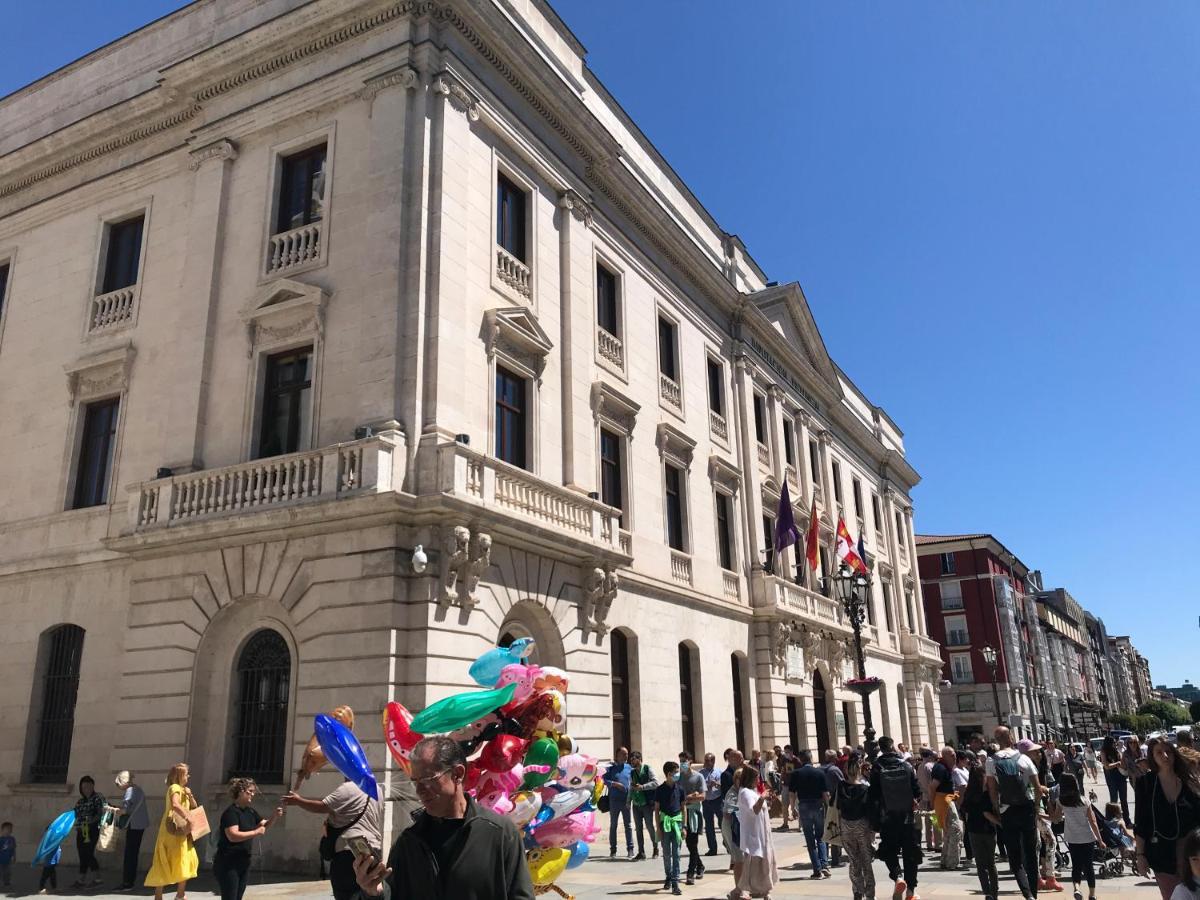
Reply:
x=525, y=806
x=398, y=734
x=541, y=763
x=502, y=752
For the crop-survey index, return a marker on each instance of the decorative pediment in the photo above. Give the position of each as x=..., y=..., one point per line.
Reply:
x=610, y=405
x=721, y=471
x=674, y=445
x=283, y=311
x=788, y=315
x=100, y=374
x=515, y=333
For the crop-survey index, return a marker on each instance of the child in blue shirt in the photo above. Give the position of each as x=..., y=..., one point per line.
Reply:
x=8, y=853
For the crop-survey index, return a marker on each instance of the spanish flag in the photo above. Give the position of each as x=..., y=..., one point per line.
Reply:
x=812, y=543
x=845, y=549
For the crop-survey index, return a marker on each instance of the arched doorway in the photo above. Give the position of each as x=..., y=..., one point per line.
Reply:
x=530, y=619
x=820, y=712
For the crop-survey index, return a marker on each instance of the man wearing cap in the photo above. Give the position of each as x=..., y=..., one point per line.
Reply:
x=133, y=813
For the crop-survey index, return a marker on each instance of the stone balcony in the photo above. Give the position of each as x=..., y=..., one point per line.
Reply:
x=915, y=646
x=514, y=273
x=290, y=250
x=528, y=507
x=112, y=310
x=335, y=472
x=773, y=597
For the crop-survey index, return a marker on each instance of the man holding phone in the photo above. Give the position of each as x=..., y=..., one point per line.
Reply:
x=352, y=820
x=455, y=848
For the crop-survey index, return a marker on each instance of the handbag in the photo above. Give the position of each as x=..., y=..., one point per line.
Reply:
x=178, y=824
x=833, y=826
x=107, y=840
x=604, y=803
x=197, y=823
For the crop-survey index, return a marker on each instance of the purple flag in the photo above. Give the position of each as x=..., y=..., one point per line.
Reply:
x=786, y=532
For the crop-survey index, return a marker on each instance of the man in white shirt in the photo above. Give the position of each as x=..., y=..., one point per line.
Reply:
x=1012, y=783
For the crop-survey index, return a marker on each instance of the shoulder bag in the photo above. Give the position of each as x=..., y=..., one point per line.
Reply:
x=330, y=835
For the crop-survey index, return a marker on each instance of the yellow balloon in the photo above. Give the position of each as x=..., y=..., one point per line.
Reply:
x=597, y=790
x=546, y=864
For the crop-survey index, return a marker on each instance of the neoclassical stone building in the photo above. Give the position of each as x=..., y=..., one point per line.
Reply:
x=292, y=288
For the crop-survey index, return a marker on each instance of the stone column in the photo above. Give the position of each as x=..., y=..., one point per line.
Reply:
x=918, y=603
x=743, y=393
x=183, y=434
x=893, y=539
x=575, y=215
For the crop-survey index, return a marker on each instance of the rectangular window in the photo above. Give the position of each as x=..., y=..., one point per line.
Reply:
x=612, y=480
x=511, y=204
x=887, y=606
x=606, y=300
x=956, y=632
x=3, y=285
x=511, y=391
x=716, y=387
x=876, y=517
x=687, y=710
x=94, y=469
x=666, y=349
x=837, y=482
x=724, y=532
x=287, y=403
x=814, y=463
x=674, y=482
x=122, y=255
x=769, y=543
x=856, y=496
x=966, y=703
x=301, y=189
x=901, y=539
x=789, y=442
x=951, y=594
x=960, y=668
x=947, y=560
x=760, y=418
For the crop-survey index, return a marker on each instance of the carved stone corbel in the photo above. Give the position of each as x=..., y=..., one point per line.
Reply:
x=456, y=546
x=480, y=559
x=456, y=95
x=599, y=585
x=220, y=150
x=572, y=202
x=405, y=77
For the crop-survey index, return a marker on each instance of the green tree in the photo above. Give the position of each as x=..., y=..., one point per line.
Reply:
x=1167, y=713
x=1121, y=721
x=1195, y=710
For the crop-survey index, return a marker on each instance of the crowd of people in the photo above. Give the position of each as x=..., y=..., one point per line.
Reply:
x=1000, y=801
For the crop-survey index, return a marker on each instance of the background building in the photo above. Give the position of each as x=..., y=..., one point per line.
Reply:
x=293, y=289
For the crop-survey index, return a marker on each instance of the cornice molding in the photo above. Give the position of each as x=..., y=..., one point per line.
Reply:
x=221, y=150
x=405, y=77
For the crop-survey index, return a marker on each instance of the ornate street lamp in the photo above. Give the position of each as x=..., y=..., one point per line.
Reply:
x=989, y=659
x=853, y=591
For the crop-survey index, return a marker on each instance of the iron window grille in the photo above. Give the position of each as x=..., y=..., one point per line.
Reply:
x=63, y=654
x=264, y=672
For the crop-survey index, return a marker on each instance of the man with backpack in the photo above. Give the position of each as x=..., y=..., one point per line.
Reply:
x=1012, y=783
x=893, y=796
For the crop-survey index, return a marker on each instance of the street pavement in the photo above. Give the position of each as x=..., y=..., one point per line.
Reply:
x=621, y=877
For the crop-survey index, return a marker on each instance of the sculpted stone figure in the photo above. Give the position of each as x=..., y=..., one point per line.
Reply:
x=481, y=558
x=455, y=556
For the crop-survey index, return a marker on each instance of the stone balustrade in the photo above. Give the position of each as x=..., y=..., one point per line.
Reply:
x=717, y=425
x=330, y=473
x=609, y=347
x=112, y=309
x=514, y=273
x=626, y=540
x=490, y=482
x=772, y=595
x=290, y=249
x=916, y=645
x=731, y=585
x=681, y=567
x=764, y=455
x=670, y=391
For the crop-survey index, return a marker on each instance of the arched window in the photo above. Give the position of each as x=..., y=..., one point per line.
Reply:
x=621, y=724
x=59, y=659
x=739, y=729
x=264, y=674
x=687, y=700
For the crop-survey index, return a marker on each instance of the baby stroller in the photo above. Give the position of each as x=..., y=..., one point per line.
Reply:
x=1116, y=849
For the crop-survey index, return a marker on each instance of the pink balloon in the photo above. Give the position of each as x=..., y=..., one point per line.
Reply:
x=523, y=677
x=580, y=826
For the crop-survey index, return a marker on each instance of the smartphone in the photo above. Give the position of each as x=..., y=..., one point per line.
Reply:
x=359, y=847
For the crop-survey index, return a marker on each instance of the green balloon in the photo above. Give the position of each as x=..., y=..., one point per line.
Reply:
x=542, y=754
x=461, y=710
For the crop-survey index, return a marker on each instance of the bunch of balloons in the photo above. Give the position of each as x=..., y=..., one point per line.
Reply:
x=521, y=763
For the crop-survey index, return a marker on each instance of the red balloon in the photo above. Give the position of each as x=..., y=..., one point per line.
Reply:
x=474, y=773
x=398, y=735
x=502, y=752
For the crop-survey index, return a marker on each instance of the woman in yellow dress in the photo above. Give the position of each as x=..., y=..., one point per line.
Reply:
x=175, y=857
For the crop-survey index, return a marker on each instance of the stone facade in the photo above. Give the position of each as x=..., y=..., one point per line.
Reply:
x=406, y=309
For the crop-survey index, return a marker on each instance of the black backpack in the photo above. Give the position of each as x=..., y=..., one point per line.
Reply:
x=895, y=789
x=1010, y=781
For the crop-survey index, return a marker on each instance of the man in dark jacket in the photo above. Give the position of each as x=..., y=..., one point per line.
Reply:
x=455, y=849
x=893, y=795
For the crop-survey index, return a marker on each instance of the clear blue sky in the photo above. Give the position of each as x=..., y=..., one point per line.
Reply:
x=993, y=210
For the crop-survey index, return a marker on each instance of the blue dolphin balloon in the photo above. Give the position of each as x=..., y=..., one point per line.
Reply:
x=342, y=748
x=486, y=669
x=54, y=836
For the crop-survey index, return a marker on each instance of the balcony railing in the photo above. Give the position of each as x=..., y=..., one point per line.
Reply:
x=514, y=273
x=717, y=425
x=919, y=645
x=774, y=594
x=670, y=391
x=764, y=455
x=609, y=347
x=681, y=567
x=731, y=585
x=626, y=541
x=297, y=247
x=494, y=483
x=113, y=309
x=330, y=473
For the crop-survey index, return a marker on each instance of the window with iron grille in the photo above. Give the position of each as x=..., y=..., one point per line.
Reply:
x=264, y=673
x=622, y=730
x=61, y=654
